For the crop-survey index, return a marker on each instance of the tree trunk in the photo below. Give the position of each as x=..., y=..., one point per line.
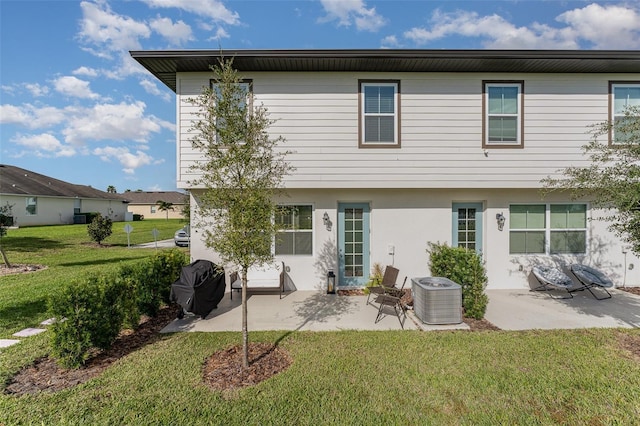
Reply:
x=245, y=331
x=5, y=258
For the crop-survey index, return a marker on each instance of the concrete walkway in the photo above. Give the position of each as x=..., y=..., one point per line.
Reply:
x=507, y=309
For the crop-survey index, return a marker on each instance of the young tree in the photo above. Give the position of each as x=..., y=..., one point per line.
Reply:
x=612, y=180
x=241, y=172
x=6, y=213
x=99, y=228
x=164, y=206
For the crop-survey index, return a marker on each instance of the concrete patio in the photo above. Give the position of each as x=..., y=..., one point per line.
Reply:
x=508, y=310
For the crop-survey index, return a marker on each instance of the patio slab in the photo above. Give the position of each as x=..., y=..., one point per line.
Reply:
x=299, y=310
x=527, y=310
x=5, y=343
x=29, y=332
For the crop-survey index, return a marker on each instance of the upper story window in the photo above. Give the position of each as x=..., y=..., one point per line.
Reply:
x=503, y=114
x=242, y=103
x=624, y=95
x=31, y=206
x=548, y=229
x=296, y=230
x=379, y=114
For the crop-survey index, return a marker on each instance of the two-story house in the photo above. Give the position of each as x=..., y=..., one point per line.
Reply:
x=393, y=149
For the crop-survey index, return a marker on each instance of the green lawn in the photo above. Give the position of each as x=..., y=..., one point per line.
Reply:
x=570, y=377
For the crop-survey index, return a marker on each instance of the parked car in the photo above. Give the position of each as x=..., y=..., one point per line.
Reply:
x=182, y=237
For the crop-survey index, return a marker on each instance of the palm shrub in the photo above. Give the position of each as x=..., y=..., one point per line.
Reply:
x=464, y=267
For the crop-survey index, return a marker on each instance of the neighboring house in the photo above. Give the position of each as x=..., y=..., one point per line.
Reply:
x=393, y=149
x=42, y=200
x=145, y=203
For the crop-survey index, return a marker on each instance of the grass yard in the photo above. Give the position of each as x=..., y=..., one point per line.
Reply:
x=411, y=377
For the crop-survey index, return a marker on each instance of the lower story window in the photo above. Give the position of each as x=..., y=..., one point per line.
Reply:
x=548, y=228
x=295, y=236
x=32, y=206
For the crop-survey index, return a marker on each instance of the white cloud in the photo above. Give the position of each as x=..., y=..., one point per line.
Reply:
x=44, y=145
x=390, y=42
x=606, y=27
x=614, y=27
x=347, y=12
x=177, y=33
x=37, y=89
x=31, y=116
x=122, y=122
x=85, y=71
x=129, y=160
x=152, y=88
x=73, y=86
x=108, y=31
x=212, y=9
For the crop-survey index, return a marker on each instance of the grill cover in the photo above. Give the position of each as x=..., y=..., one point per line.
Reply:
x=200, y=287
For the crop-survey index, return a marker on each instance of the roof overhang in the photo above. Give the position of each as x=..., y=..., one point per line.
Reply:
x=164, y=64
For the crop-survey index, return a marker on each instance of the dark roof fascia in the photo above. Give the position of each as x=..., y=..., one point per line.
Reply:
x=164, y=64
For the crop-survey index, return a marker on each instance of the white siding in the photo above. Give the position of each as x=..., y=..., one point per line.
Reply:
x=441, y=128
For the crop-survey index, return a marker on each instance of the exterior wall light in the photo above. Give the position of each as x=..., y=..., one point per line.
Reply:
x=500, y=219
x=326, y=221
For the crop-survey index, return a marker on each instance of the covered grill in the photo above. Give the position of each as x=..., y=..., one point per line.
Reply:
x=199, y=289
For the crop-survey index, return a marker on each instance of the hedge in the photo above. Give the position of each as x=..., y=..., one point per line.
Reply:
x=92, y=311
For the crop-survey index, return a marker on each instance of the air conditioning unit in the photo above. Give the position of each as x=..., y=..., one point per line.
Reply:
x=437, y=300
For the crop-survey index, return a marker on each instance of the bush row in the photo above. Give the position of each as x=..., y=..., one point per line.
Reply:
x=464, y=267
x=92, y=311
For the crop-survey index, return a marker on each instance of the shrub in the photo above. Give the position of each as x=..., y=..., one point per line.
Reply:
x=99, y=228
x=464, y=267
x=89, y=314
x=92, y=312
x=137, y=217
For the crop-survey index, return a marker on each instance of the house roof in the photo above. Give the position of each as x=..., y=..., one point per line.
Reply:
x=164, y=64
x=152, y=197
x=17, y=181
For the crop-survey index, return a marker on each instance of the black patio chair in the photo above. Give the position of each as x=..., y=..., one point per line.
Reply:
x=589, y=278
x=551, y=278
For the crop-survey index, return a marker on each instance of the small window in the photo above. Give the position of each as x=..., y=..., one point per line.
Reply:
x=502, y=121
x=31, y=206
x=153, y=209
x=243, y=103
x=295, y=236
x=548, y=229
x=379, y=112
x=623, y=97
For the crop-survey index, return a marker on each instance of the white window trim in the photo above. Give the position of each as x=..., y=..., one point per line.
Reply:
x=242, y=83
x=547, y=230
x=519, y=140
x=313, y=231
x=395, y=114
x=613, y=114
x=26, y=206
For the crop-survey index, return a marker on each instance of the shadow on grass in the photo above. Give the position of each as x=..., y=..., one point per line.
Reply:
x=14, y=317
x=104, y=261
x=31, y=244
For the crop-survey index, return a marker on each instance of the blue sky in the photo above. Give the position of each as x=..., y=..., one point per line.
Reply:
x=76, y=107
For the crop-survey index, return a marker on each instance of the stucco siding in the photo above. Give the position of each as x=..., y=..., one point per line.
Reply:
x=407, y=219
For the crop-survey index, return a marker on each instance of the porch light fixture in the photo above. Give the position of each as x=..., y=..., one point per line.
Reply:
x=500, y=219
x=326, y=221
x=331, y=282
